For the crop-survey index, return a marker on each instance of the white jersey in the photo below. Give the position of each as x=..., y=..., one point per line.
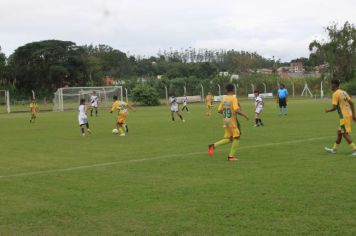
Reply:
x=94, y=100
x=174, y=104
x=185, y=101
x=259, y=104
x=82, y=116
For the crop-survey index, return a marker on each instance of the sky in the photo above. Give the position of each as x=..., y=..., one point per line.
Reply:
x=273, y=28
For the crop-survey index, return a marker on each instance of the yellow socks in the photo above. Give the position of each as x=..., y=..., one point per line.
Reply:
x=335, y=146
x=222, y=142
x=121, y=129
x=234, y=146
x=353, y=146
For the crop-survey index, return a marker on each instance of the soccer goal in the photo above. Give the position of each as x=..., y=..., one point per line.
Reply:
x=5, y=101
x=68, y=98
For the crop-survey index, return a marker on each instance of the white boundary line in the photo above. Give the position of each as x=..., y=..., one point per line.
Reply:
x=150, y=159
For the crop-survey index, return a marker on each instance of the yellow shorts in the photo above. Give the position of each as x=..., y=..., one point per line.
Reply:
x=232, y=133
x=345, y=125
x=33, y=114
x=121, y=119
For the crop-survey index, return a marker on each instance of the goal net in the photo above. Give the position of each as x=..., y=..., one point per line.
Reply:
x=68, y=98
x=4, y=101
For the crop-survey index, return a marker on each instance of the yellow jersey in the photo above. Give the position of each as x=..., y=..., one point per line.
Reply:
x=340, y=99
x=33, y=107
x=228, y=106
x=209, y=100
x=121, y=106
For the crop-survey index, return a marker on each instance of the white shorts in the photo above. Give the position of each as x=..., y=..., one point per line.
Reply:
x=94, y=105
x=259, y=110
x=174, y=109
x=82, y=120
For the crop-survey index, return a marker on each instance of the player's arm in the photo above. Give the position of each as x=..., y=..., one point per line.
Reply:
x=334, y=103
x=221, y=107
x=131, y=107
x=352, y=107
x=113, y=108
x=334, y=108
x=241, y=113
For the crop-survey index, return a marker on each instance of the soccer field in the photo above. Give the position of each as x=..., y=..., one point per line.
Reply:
x=159, y=180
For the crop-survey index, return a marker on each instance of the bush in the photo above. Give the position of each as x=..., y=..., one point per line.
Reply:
x=145, y=95
x=350, y=87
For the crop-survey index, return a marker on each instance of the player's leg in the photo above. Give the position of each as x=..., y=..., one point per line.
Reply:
x=257, y=118
x=120, y=124
x=333, y=150
x=347, y=136
x=87, y=126
x=96, y=111
x=234, y=145
x=280, y=106
x=82, y=130
x=126, y=128
x=226, y=140
x=172, y=115
x=180, y=116
x=91, y=111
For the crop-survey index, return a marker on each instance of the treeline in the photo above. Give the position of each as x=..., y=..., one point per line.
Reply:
x=47, y=65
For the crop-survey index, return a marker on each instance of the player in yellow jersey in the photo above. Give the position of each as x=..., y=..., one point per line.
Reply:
x=34, y=110
x=209, y=103
x=229, y=107
x=342, y=103
x=122, y=108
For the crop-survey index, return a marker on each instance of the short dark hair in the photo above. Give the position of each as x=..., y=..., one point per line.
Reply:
x=229, y=87
x=282, y=85
x=82, y=101
x=257, y=91
x=335, y=82
x=114, y=97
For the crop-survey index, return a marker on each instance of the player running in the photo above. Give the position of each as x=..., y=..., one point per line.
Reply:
x=94, y=102
x=229, y=107
x=185, y=103
x=122, y=108
x=175, y=108
x=34, y=110
x=341, y=102
x=259, y=104
x=209, y=103
x=82, y=117
x=282, y=95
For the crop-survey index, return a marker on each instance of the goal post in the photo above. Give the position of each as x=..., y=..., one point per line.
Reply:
x=5, y=100
x=68, y=98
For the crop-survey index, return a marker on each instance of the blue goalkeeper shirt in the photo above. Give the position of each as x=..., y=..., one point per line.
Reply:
x=282, y=93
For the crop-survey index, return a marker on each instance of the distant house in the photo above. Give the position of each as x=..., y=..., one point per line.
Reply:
x=265, y=71
x=296, y=67
x=283, y=72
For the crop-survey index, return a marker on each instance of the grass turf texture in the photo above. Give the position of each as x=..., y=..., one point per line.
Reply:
x=159, y=179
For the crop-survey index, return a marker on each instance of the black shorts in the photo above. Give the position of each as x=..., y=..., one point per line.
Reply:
x=282, y=102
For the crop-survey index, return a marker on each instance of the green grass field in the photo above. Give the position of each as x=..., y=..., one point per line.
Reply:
x=159, y=180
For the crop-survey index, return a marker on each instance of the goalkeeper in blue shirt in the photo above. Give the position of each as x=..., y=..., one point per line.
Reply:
x=282, y=95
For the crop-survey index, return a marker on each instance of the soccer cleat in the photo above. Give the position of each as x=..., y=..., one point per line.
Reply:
x=122, y=135
x=89, y=131
x=256, y=126
x=232, y=159
x=83, y=134
x=330, y=150
x=211, y=150
x=126, y=128
x=183, y=121
x=354, y=153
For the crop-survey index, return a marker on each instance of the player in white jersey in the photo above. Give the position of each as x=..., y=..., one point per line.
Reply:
x=259, y=104
x=185, y=103
x=82, y=117
x=94, y=102
x=175, y=108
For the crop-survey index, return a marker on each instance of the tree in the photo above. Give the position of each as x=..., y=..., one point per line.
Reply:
x=2, y=67
x=339, y=52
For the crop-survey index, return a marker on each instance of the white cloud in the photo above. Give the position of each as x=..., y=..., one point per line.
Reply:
x=272, y=28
